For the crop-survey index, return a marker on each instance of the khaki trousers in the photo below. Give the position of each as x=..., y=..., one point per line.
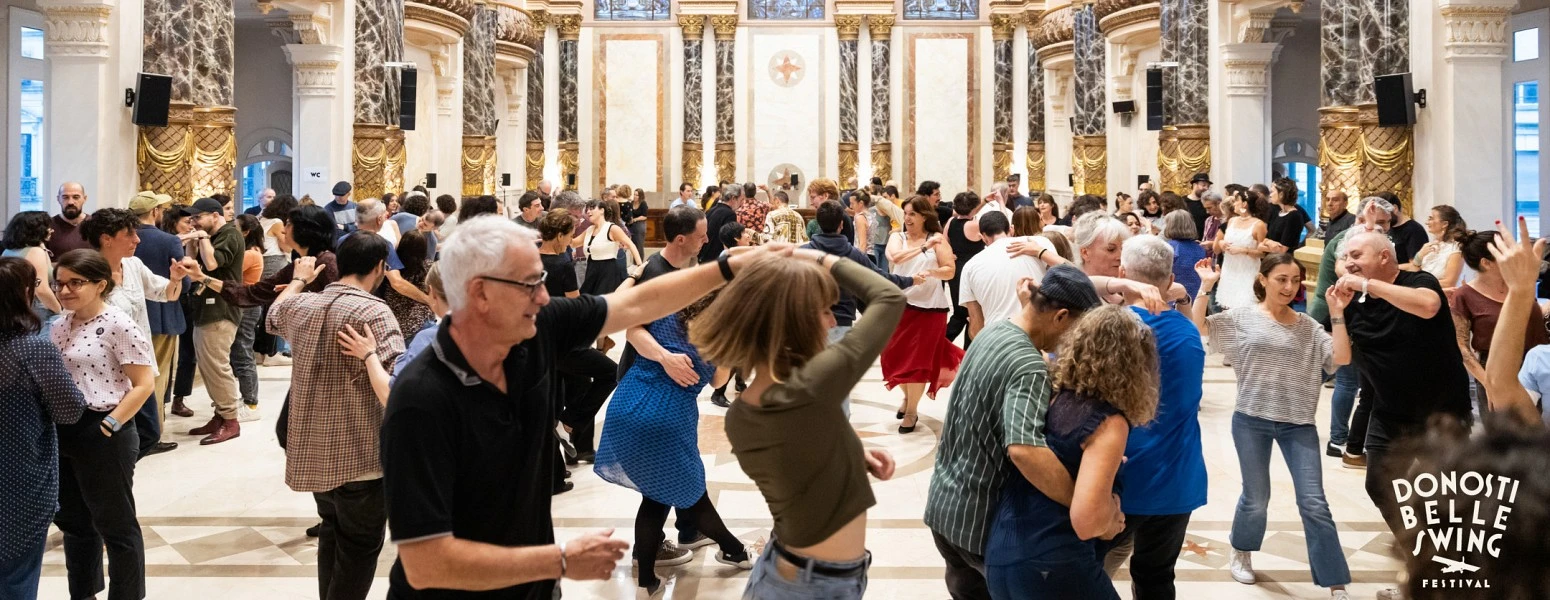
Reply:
x=212, y=351
x=166, y=348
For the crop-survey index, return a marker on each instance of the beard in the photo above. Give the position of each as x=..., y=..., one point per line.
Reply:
x=70, y=212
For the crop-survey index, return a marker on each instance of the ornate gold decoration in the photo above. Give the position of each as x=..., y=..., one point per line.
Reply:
x=535, y=163
x=1002, y=26
x=1089, y=164
x=1358, y=157
x=462, y=8
x=1054, y=26
x=1182, y=151
x=726, y=161
x=1167, y=159
x=1036, y=177
x=429, y=13
x=570, y=155
x=194, y=156
x=569, y=26
x=396, y=157
x=693, y=155
x=479, y=165
x=881, y=26
x=693, y=26
x=849, y=157
x=541, y=19
x=1109, y=22
x=369, y=159
x=882, y=160
x=1000, y=160
x=725, y=26
x=848, y=27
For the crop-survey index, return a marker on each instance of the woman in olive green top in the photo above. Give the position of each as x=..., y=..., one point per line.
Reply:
x=788, y=430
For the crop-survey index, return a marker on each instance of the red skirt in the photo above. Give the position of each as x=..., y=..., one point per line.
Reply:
x=919, y=351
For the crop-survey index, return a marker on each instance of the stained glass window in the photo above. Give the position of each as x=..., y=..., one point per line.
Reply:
x=785, y=9
x=952, y=10
x=632, y=10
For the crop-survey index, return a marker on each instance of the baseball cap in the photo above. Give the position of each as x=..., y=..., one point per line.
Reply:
x=1068, y=285
x=147, y=201
x=205, y=205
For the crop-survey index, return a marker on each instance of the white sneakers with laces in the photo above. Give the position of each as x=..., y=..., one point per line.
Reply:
x=1242, y=567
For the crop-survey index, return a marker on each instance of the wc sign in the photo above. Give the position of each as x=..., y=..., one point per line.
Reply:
x=315, y=176
x=1456, y=518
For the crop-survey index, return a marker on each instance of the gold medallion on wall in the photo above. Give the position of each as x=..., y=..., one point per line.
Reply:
x=194, y=156
x=1036, y=178
x=882, y=160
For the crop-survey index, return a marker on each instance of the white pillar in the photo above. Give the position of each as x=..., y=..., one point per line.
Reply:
x=511, y=136
x=1244, y=114
x=317, y=141
x=1059, y=97
x=87, y=127
x=447, y=141
x=1471, y=164
x=1122, y=130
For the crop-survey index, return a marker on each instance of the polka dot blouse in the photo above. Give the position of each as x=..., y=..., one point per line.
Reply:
x=96, y=351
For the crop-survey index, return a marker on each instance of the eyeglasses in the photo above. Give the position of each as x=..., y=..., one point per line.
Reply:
x=74, y=285
x=532, y=288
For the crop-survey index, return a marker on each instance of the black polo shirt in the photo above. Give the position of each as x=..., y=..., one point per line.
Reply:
x=461, y=458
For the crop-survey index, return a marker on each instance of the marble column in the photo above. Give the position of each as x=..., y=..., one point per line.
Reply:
x=881, y=28
x=726, y=130
x=1036, y=162
x=1245, y=111
x=569, y=28
x=848, y=29
x=1089, y=148
x=1472, y=157
x=377, y=158
x=195, y=154
x=534, y=160
x=315, y=81
x=1002, y=26
x=1184, y=145
x=1361, y=39
x=85, y=147
x=478, y=158
x=693, y=97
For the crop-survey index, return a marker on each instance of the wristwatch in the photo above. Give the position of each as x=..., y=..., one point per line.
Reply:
x=724, y=262
x=112, y=423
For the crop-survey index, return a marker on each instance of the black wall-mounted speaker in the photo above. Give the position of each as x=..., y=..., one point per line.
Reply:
x=1396, y=99
x=795, y=181
x=1124, y=107
x=153, y=93
x=408, y=80
x=506, y=179
x=1154, y=100
x=430, y=180
x=570, y=181
x=1071, y=180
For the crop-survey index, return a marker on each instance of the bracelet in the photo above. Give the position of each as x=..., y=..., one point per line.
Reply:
x=1364, y=286
x=111, y=423
x=562, y=559
x=725, y=263
x=1040, y=255
x=1336, y=321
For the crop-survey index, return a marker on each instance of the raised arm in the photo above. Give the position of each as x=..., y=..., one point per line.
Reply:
x=1209, y=275
x=843, y=363
x=1519, y=264
x=1420, y=301
x=669, y=293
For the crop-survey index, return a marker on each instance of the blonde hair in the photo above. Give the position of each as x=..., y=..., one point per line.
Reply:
x=768, y=319
x=625, y=192
x=433, y=281
x=825, y=186
x=1100, y=355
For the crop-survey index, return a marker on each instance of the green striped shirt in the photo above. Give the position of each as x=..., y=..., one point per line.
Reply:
x=999, y=399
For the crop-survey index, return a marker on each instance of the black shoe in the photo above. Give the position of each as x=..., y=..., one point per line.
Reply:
x=161, y=447
x=564, y=487
x=586, y=456
x=898, y=415
x=740, y=385
x=911, y=428
x=569, y=451
x=315, y=530
x=567, y=473
x=1331, y=449
x=720, y=399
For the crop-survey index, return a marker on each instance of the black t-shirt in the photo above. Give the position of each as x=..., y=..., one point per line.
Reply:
x=1412, y=364
x=1197, y=211
x=460, y=457
x=944, y=211
x=1287, y=229
x=655, y=266
x=1408, y=240
x=561, y=278
x=719, y=214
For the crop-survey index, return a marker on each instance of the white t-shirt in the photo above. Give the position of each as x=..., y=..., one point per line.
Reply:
x=990, y=278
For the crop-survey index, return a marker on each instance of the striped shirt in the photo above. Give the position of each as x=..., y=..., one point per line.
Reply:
x=999, y=399
x=1280, y=367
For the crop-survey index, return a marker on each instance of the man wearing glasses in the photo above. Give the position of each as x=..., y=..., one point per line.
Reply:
x=468, y=438
x=344, y=341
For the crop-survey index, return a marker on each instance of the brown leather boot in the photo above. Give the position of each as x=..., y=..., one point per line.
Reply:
x=208, y=428
x=179, y=409
x=229, y=428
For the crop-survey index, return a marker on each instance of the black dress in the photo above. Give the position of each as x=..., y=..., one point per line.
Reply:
x=963, y=250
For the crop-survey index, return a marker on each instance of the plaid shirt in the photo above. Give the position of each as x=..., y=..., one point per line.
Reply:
x=335, y=416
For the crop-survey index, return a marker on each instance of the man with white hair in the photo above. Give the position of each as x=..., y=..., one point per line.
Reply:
x=371, y=213
x=262, y=201
x=476, y=516
x=1164, y=479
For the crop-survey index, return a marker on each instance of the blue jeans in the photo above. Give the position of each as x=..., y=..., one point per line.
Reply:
x=1341, y=405
x=1300, y=448
x=1079, y=577
x=19, y=576
x=880, y=256
x=766, y=583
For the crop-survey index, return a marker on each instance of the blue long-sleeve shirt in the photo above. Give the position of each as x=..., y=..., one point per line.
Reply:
x=836, y=244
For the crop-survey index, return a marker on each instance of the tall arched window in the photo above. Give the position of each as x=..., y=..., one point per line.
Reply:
x=264, y=159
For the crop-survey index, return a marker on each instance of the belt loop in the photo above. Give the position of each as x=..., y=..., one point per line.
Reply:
x=807, y=570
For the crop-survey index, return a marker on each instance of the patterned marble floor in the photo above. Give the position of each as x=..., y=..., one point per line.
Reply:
x=219, y=521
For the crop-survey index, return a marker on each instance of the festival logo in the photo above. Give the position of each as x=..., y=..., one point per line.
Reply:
x=1457, y=520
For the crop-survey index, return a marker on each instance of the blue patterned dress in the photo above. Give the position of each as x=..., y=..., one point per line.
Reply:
x=650, y=440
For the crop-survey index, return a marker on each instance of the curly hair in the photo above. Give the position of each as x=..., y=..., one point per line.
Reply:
x=1100, y=356
x=26, y=229
x=107, y=222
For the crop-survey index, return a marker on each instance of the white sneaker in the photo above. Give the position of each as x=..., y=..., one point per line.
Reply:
x=278, y=360
x=247, y=413
x=1242, y=567
x=1339, y=595
x=1390, y=594
x=745, y=564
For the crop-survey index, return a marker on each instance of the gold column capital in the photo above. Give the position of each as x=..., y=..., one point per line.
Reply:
x=881, y=26
x=541, y=18
x=693, y=26
x=725, y=26
x=1002, y=25
x=568, y=25
x=848, y=26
